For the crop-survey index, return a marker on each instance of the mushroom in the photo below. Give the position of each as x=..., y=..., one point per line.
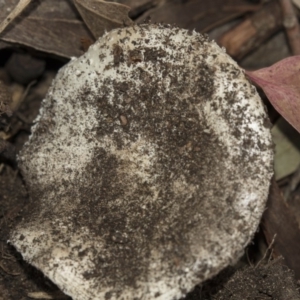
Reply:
x=148, y=167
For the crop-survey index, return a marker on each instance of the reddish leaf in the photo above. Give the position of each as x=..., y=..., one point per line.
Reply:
x=281, y=84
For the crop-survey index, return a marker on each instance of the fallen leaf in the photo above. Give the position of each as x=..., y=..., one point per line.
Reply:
x=16, y=11
x=51, y=26
x=281, y=84
x=279, y=219
x=102, y=16
x=4, y=45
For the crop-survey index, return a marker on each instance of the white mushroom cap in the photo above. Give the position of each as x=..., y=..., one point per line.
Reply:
x=148, y=168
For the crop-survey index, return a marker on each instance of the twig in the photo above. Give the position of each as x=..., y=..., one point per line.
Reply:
x=269, y=247
x=254, y=30
x=291, y=24
x=39, y=295
x=296, y=3
x=24, y=95
x=248, y=258
x=15, y=12
x=8, y=272
x=46, y=295
x=271, y=255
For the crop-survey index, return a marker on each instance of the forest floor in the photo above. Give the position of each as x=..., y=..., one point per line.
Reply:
x=42, y=40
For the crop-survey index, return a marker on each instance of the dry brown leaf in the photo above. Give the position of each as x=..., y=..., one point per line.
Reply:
x=102, y=16
x=14, y=13
x=52, y=26
x=4, y=45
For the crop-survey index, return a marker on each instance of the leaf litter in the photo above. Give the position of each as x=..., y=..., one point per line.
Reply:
x=101, y=16
x=55, y=27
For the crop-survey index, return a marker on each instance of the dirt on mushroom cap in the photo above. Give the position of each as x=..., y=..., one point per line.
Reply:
x=148, y=168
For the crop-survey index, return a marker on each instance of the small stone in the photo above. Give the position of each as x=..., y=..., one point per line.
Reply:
x=123, y=120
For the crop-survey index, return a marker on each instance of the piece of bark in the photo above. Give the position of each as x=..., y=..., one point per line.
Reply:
x=291, y=25
x=277, y=49
x=253, y=31
x=279, y=221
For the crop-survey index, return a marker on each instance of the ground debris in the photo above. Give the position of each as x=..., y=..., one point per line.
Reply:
x=273, y=281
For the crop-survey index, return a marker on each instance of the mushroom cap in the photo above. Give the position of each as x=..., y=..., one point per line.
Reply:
x=148, y=168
